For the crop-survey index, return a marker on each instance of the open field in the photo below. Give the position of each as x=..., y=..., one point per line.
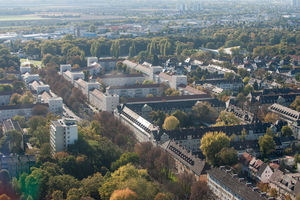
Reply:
x=4, y=18
x=37, y=63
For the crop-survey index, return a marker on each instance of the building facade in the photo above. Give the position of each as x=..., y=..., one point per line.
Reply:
x=63, y=132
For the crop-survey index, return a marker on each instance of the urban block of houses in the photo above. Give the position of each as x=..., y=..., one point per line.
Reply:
x=156, y=74
x=292, y=117
x=44, y=95
x=243, y=115
x=102, y=101
x=217, y=69
x=285, y=184
x=256, y=169
x=225, y=84
x=190, y=138
x=17, y=164
x=282, y=96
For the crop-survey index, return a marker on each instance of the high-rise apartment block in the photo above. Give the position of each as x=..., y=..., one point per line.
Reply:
x=63, y=132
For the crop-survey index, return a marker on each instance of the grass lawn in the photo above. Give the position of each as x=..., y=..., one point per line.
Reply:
x=35, y=62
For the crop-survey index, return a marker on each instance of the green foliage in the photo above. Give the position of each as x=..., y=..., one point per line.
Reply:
x=286, y=131
x=182, y=117
x=227, y=156
x=129, y=177
x=266, y=144
x=158, y=117
x=204, y=113
x=170, y=123
x=128, y=157
x=296, y=104
x=171, y=92
x=212, y=143
x=227, y=119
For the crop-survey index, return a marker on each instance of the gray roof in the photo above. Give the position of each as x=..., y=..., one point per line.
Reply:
x=10, y=125
x=234, y=185
x=288, y=182
x=193, y=163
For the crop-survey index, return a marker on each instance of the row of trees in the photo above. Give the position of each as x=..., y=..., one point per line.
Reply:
x=257, y=41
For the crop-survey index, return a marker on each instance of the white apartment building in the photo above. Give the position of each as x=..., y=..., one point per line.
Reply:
x=64, y=68
x=63, y=132
x=172, y=80
x=24, y=69
x=137, y=90
x=91, y=61
x=104, y=102
x=122, y=79
x=29, y=78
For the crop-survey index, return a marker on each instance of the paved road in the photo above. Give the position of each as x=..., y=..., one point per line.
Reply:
x=69, y=113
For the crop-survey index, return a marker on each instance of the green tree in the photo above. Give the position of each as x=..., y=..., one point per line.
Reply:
x=128, y=157
x=212, y=143
x=132, y=50
x=227, y=119
x=286, y=131
x=267, y=144
x=227, y=156
x=182, y=117
x=204, y=113
x=170, y=123
x=90, y=185
x=158, y=117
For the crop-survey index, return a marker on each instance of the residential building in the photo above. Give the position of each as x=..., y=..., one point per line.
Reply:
x=54, y=102
x=86, y=87
x=190, y=138
x=9, y=111
x=91, y=61
x=185, y=161
x=174, y=81
x=255, y=168
x=29, y=78
x=5, y=98
x=137, y=90
x=64, y=68
x=285, y=184
x=243, y=115
x=103, y=101
x=122, y=79
x=24, y=69
x=63, y=132
x=143, y=130
x=38, y=87
x=292, y=117
x=17, y=164
x=225, y=84
x=73, y=76
x=228, y=186
x=11, y=125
